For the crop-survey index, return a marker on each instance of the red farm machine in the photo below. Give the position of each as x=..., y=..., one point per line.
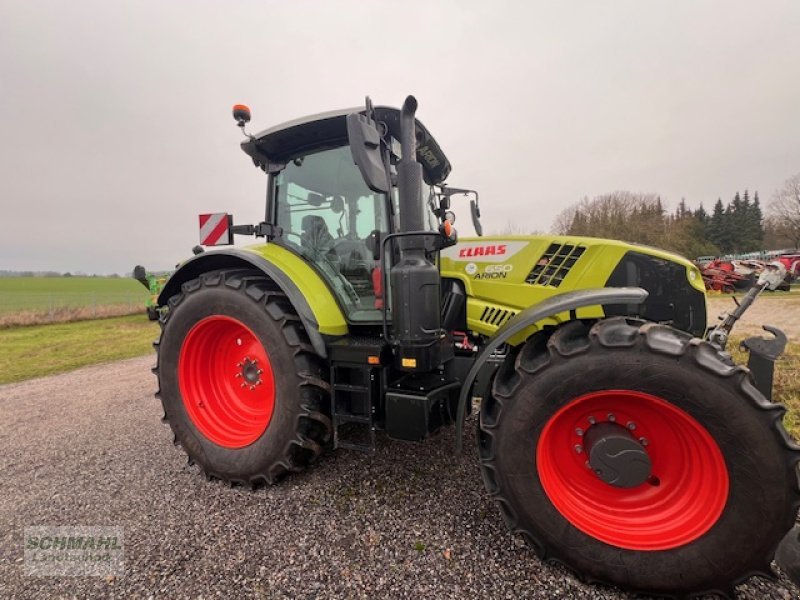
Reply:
x=729, y=275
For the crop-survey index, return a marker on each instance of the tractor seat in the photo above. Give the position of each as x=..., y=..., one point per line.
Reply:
x=315, y=236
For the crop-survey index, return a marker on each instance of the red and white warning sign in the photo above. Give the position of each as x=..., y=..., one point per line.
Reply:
x=215, y=229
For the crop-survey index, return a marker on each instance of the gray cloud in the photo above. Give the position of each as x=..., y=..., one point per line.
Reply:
x=115, y=127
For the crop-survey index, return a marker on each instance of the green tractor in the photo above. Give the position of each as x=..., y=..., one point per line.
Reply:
x=154, y=283
x=615, y=433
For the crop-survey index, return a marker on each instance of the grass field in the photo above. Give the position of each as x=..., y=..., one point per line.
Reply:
x=35, y=351
x=31, y=293
x=36, y=300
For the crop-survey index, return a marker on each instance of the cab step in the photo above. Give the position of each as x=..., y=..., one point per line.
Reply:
x=356, y=390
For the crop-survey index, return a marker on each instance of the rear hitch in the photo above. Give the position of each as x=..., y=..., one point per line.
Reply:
x=763, y=354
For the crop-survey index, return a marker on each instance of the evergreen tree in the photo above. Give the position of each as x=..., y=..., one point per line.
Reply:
x=682, y=211
x=737, y=224
x=718, y=230
x=700, y=215
x=757, y=223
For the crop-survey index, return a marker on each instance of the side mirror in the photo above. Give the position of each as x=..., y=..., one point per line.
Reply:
x=315, y=199
x=476, y=217
x=365, y=144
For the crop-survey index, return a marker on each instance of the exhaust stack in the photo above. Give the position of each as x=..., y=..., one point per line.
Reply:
x=415, y=280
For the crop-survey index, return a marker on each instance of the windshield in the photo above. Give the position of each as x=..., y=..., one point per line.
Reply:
x=428, y=199
x=329, y=215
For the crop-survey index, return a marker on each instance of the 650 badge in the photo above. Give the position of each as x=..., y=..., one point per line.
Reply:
x=495, y=272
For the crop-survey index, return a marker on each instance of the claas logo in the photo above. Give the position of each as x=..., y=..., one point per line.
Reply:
x=495, y=250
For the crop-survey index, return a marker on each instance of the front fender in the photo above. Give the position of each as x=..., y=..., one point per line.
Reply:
x=533, y=314
x=314, y=303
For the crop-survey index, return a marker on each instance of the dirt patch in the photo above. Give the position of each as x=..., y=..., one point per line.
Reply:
x=780, y=309
x=67, y=314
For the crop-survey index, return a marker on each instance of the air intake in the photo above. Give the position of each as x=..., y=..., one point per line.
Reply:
x=496, y=316
x=554, y=264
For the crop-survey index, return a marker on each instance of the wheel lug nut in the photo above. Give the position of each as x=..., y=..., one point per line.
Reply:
x=252, y=387
x=643, y=441
x=611, y=417
x=238, y=375
x=631, y=425
x=592, y=420
x=579, y=432
x=578, y=448
x=259, y=371
x=588, y=465
x=243, y=385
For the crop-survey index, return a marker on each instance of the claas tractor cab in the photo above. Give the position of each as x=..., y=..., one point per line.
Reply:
x=614, y=430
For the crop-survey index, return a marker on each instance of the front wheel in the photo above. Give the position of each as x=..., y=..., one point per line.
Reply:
x=639, y=457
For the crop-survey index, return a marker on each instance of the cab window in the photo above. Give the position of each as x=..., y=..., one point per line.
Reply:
x=329, y=216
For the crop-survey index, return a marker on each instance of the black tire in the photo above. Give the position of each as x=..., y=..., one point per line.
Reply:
x=300, y=426
x=621, y=354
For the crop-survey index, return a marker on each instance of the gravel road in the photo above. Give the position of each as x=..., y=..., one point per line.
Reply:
x=88, y=448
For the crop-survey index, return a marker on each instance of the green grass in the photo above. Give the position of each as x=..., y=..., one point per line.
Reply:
x=27, y=352
x=47, y=293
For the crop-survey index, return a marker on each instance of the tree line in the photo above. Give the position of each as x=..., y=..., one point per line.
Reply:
x=736, y=226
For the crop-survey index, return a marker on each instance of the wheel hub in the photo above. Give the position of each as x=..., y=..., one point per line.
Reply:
x=616, y=456
x=250, y=372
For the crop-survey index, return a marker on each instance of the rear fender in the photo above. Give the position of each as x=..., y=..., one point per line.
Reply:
x=314, y=310
x=534, y=314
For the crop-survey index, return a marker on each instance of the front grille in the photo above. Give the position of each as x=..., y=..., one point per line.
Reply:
x=496, y=316
x=671, y=298
x=553, y=266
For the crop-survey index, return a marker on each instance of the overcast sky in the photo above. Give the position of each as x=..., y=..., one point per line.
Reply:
x=115, y=125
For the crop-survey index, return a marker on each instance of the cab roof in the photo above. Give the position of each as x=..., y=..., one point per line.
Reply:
x=329, y=129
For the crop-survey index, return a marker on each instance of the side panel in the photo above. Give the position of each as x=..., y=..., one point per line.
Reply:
x=504, y=275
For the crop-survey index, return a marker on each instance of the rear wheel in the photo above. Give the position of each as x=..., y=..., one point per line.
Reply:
x=639, y=457
x=241, y=388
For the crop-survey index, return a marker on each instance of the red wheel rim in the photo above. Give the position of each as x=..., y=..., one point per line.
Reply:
x=681, y=501
x=226, y=381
